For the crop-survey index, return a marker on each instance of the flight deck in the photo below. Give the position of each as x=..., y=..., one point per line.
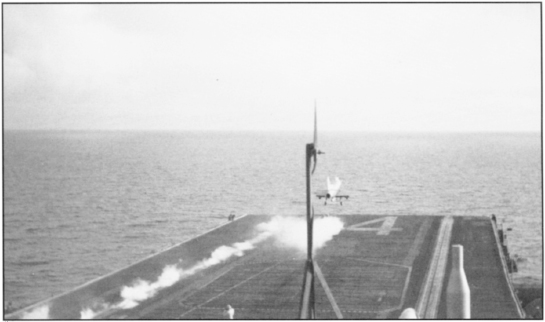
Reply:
x=374, y=268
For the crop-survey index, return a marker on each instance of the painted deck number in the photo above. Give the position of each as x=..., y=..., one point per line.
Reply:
x=384, y=229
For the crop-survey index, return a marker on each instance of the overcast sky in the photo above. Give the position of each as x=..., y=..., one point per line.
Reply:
x=370, y=67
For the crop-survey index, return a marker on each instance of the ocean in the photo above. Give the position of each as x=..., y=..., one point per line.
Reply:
x=81, y=204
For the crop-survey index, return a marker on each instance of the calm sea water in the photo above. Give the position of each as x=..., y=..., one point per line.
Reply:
x=78, y=205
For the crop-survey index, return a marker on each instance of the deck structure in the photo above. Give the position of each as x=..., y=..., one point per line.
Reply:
x=373, y=269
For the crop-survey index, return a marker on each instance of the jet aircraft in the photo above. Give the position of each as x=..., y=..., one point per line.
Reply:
x=332, y=192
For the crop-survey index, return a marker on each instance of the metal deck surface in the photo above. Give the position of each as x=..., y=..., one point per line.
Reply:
x=376, y=267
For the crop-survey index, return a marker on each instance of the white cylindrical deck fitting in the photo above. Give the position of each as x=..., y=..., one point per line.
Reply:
x=458, y=294
x=408, y=314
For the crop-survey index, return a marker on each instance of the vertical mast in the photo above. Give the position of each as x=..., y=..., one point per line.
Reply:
x=307, y=297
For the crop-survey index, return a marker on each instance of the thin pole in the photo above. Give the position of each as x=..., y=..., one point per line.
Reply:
x=310, y=222
x=310, y=215
x=306, y=310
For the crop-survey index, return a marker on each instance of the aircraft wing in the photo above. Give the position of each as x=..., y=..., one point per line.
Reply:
x=324, y=194
x=321, y=194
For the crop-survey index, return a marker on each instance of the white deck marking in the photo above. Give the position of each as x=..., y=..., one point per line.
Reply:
x=430, y=292
x=385, y=229
x=387, y=226
x=417, y=243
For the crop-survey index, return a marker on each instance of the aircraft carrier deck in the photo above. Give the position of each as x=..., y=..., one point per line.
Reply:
x=373, y=269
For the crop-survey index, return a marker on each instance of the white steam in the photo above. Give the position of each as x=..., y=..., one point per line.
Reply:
x=87, y=314
x=142, y=290
x=287, y=231
x=39, y=313
x=292, y=231
x=96, y=309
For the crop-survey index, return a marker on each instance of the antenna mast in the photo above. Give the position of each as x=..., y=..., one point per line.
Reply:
x=307, y=298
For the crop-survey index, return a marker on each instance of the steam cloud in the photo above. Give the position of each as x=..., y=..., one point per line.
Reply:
x=142, y=290
x=87, y=314
x=287, y=232
x=292, y=231
x=39, y=313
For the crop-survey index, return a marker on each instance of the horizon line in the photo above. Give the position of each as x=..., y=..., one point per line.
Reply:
x=268, y=131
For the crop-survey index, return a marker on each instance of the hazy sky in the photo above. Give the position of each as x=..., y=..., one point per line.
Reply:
x=371, y=67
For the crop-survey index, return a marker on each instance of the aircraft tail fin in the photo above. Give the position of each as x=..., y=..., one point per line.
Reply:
x=333, y=187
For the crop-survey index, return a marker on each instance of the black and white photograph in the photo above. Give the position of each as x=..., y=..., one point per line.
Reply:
x=272, y=160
